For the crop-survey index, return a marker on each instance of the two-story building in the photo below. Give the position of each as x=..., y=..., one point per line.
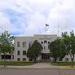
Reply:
x=22, y=44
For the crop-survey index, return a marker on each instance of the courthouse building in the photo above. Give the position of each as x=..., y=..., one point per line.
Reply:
x=23, y=43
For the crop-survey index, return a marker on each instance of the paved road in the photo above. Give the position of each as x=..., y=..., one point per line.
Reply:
x=36, y=72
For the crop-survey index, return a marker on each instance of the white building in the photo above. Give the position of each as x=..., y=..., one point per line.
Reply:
x=22, y=44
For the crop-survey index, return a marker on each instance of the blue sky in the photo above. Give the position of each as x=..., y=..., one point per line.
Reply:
x=28, y=17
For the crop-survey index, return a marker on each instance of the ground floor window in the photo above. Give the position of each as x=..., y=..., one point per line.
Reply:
x=5, y=56
x=18, y=59
x=24, y=59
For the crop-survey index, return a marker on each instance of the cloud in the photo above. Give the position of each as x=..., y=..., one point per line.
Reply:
x=28, y=17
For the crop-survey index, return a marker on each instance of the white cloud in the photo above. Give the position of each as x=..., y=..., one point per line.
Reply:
x=4, y=23
x=36, y=13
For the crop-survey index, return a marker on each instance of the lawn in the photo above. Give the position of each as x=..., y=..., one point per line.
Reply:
x=63, y=63
x=15, y=63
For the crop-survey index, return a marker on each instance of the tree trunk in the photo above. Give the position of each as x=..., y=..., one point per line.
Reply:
x=72, y=59
x=4, y=60
x=55, y=60
x=34, y=60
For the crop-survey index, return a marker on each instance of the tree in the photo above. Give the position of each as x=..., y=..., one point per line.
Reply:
x=69, y=42
x=66, y=40
x=54, y=49
x=62, y=52
x=34, y=51
x=72, y=46
x=6, y=44
x=57, y=49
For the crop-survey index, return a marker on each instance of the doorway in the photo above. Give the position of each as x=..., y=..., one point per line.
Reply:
x=45, y=57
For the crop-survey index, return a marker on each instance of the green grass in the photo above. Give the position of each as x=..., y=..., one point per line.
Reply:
x=16, y=63
x=63, y=63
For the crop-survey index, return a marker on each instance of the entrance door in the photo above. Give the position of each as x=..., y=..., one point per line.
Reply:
x=45, y=57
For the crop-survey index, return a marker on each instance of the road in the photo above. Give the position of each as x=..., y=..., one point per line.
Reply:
x=36, y=72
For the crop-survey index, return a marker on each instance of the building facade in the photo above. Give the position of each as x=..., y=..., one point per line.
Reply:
x=23, y=43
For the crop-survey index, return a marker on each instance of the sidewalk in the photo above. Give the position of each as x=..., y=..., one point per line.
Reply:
x=38, y=66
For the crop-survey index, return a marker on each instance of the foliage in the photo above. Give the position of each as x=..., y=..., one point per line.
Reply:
x=34, y=51
x=57, y=49
x=6, y=43
x=16, y=63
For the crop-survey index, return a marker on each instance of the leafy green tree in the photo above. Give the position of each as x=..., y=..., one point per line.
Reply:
x=69, y=42
x=34, y=51
x=66, y=40
x=62, y=52
x=72, y=45
x=6, y=44
x=57, y=49
x=54, y=49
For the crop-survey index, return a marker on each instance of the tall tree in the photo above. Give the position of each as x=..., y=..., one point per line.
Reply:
x=66, y=40
x=34, y=51
x=57, y=49
x=72, y=45
x=62, y=52
x=54, y=49
x=6, y=43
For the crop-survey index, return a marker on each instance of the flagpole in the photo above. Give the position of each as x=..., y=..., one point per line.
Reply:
x=46, y=27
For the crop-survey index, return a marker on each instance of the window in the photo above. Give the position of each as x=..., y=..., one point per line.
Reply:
x=41, y=42
x=18, y=59
x=5, y=56
x=48, y=42
x=23, y=44
x=24, y=52
x=24, y=59
x=18, y=44
x=18, y=52
x=30, y=44
x=45, y=41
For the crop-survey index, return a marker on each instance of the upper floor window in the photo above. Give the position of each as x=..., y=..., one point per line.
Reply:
x=41, y=42
x=23, y=44
x=45, y=41
x=24, y=52
x=48, y=42
x=18, y=44
x=18, y=52
x=30, y=44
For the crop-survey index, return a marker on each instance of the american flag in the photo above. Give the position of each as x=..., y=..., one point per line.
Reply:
x=46, y=25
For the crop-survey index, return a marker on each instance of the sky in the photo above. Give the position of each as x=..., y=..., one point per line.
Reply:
x=28, y=17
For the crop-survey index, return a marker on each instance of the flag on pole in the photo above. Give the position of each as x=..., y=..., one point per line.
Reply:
x=46, y=25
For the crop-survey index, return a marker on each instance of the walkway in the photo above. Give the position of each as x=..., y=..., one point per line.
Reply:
x=36, y=66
